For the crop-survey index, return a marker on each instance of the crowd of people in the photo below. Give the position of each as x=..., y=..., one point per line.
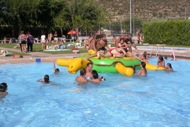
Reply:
x=123, y=47
x=26, y=41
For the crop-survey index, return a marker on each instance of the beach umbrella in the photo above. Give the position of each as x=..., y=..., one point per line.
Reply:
x=73, y=32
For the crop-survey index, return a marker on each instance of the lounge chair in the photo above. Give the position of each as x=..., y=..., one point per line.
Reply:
x=79, y=45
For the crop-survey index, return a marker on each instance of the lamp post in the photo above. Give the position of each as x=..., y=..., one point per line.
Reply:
x=130, y=16
x=121, y=27
x=185, y=12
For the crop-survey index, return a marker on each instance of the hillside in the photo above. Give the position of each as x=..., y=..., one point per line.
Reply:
x=147, y=9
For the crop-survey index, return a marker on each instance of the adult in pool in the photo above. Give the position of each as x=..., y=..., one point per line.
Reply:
x=88, y=73
x=81, y=79
x=17, y=56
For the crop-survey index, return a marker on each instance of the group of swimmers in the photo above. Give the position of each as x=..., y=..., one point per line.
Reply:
x=161, y=63
x=89, y=75
x=86, y=75
x=46, y=78
x=123, y=47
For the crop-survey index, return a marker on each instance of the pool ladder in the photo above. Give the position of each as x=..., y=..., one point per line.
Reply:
x=159, y=47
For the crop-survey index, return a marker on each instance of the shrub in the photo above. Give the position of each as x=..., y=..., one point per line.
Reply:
x=175, y=32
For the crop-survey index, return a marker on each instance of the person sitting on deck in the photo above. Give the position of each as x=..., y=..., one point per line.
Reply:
x=17, y=56
x=60, y=45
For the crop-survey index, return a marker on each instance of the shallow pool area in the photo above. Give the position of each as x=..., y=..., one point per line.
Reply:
x=162, y=99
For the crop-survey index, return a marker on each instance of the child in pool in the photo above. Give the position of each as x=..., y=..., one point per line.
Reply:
x=168, y=67
x=96, y=78
x=161, y=62
x=143, y=71
x=3, y=89
x=56, y=70
x=45, y=79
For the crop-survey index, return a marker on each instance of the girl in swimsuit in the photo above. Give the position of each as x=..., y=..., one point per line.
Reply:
x=161, y=62
x=143, y=71
x=115, y=52
x=169, y=67
x=122, y=44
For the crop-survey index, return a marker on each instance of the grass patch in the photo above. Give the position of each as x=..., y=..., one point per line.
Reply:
x=6, y=45
x=38, y=48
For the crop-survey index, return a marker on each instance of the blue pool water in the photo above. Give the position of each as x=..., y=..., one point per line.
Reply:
x=161, y=99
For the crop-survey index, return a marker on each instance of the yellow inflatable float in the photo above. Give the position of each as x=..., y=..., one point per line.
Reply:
x=73, y=65
x=114, y=65
x=127, y=71
x=153, y=67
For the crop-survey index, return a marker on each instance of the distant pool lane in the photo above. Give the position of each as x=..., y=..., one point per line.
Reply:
x=160, y=99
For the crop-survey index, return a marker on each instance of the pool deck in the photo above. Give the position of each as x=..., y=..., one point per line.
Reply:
x=33, y=56
x=180, y=53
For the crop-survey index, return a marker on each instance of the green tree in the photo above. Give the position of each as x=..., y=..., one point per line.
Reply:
x=84, y=14
x=21, y=13
x=3, y=12
x=52, y=13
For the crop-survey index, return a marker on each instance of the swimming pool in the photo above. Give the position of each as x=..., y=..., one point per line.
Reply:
x=161, y=99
